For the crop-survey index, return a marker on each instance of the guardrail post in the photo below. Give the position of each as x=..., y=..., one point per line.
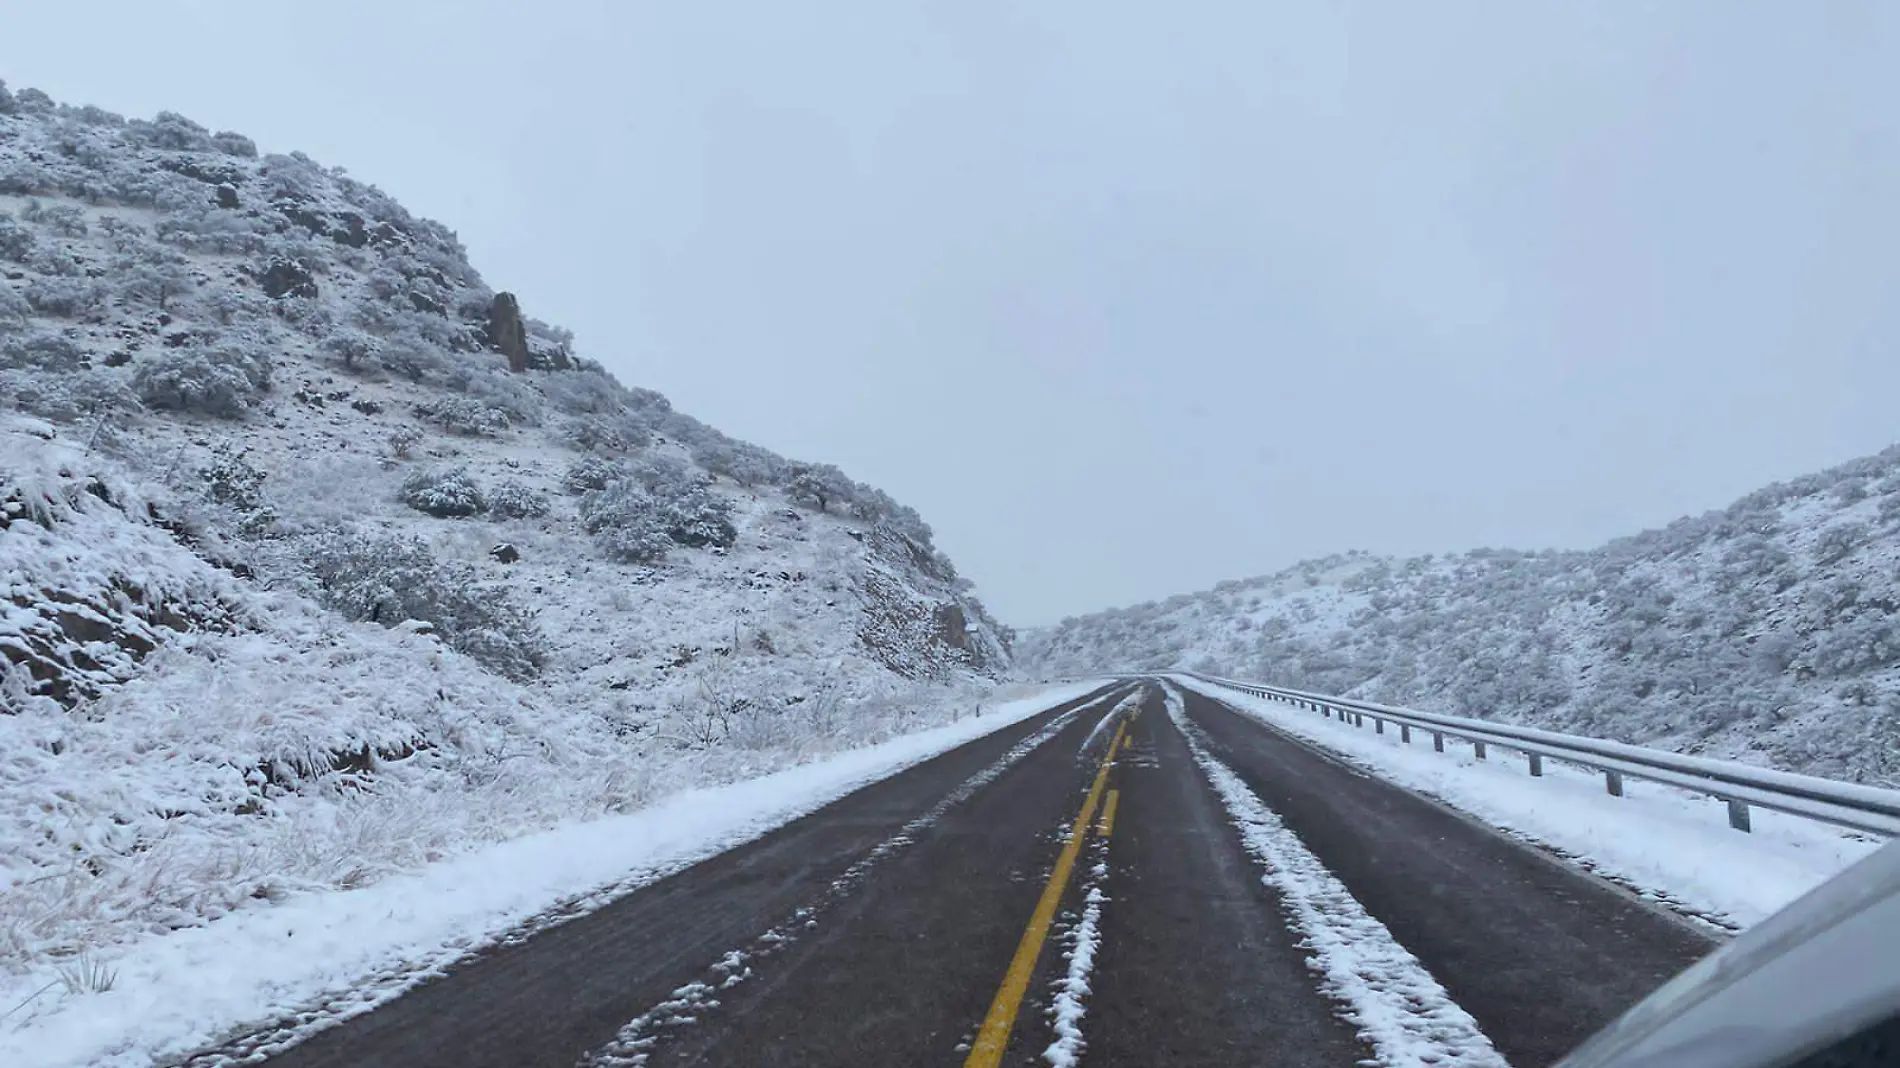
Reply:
x=1358, y=720
x=1738, y=814
x=1438, y=741
x=1613, y=782
x=1378, y=725
x=1537, y=763
x=1477, y=750
x=1405, y=733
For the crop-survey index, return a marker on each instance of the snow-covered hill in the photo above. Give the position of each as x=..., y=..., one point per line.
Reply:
x=321, y=560
x=1767, y=631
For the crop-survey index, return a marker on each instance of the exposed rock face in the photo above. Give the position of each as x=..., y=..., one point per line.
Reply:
x=507, y=332
x=953, y=629
x=287, y=278
x=227, y=196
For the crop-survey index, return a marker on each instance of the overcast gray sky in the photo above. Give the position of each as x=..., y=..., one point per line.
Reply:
x=1128, y=298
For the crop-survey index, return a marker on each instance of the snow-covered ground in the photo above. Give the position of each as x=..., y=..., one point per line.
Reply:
x=331, y=955
x=1667, y=844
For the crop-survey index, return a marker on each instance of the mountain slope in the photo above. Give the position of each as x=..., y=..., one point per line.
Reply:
x=322, y=559
x=1766, y=631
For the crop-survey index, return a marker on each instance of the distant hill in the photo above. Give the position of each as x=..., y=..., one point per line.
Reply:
x=1766, y=631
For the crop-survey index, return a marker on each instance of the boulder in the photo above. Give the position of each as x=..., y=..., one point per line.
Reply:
x=507, y=332
x=505, y=553
x=287, y=278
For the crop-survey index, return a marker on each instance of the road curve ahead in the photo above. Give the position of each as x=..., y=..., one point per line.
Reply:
x=1151, y=879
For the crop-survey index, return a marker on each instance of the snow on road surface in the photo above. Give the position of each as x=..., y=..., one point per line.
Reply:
x=1384, y=991
x=327, y=956
x=1068, y=1007
x=1670, y=846
x=632, y=1046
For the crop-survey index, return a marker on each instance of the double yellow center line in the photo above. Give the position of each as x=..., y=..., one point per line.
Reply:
x=993, y=1037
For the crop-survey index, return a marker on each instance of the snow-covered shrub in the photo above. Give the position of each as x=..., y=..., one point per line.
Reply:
x=390, y=581
x=16, y=241
x=514, y=500
x=220, y=381
x=65, y=220
x=748, y=465
x=444, y=494
x=699, y=519
x=586, y=393
x=1837, y=542
x=71, y=396
x=627, y=523
x=234, y=144
x=354, y=349
x=153, y=283
x=14, y=310
x=592, y=473
x=66, y=297
x=506, y=393
x=42, y=352
x=411, y=357
x=7, y=104
x=232, y=482
x=617, y=433
x=170, y=130
x=821, y=485
x=464, y=415
x=402, y=440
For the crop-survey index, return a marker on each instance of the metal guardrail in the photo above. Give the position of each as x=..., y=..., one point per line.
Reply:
x=1862, y=808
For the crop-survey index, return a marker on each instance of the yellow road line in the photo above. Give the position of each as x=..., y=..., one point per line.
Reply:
x=993, y=1037
x=1107, y=826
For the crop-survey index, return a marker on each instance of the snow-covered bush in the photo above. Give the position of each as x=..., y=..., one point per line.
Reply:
x=627, y=523
x=1836, y=542
x=820, y=485
x=746, y=464
x=444, y=494
x=354, y=349
x=592, y=473
x=390, y=581
x=586, y=393
x=16, y=241
x=232, y=481
x=614, y=434
x=221, y=381
x=55, y=353
x=514, y=500
x=502, y=392
x=66, y=297
x=170, y=130
x=464, y=415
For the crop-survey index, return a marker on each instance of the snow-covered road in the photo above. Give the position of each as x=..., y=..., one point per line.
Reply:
x=1195, y=882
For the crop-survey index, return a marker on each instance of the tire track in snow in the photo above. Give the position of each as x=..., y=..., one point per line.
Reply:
x=634, y=1045
x=1383, y=990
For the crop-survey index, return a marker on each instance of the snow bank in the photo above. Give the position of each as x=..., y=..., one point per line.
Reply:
x=1671, y=846
x=349, y=951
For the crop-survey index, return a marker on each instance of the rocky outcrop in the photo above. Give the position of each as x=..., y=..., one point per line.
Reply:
x=287, y=278
x=508, y=332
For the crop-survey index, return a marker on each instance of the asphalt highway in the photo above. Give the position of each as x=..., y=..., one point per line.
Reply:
x=1070, y=890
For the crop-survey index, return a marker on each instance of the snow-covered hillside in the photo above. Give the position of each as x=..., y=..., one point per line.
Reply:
x=1767, y=631
x=321, y=560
